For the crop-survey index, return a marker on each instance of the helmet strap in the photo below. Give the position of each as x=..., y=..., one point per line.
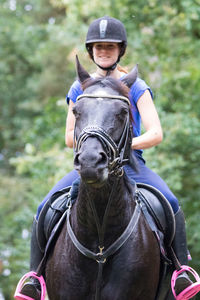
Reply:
x=108, y=69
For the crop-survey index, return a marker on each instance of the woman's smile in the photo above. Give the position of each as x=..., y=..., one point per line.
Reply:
x=105, y=54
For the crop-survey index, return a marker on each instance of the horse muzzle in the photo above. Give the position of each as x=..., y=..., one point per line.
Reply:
x=91, y=161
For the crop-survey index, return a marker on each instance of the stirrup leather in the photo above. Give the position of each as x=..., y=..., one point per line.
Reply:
x=191, y=290
x=19, y=296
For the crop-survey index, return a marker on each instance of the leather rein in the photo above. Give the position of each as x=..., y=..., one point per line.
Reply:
x=115, y=154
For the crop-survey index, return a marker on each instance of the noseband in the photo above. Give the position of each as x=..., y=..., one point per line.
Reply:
x=115, y=152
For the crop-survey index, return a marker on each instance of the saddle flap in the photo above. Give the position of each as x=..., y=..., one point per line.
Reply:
x=50, y=215
x=160, y=209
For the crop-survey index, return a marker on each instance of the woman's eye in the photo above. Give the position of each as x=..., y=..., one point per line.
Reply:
x=97, y=46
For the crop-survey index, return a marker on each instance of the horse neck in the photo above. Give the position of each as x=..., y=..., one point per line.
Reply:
x=119, y=213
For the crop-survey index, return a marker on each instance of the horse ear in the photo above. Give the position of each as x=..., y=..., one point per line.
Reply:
x=131, y=77
x=81, y=72
x=129, y=153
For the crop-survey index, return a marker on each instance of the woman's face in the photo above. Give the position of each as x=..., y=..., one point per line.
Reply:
x=105, y=54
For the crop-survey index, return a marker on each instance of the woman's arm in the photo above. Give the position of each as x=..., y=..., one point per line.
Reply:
x=70, y=121
x=153, y=131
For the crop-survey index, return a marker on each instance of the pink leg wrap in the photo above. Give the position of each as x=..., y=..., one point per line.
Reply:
x=191, y=290
x=20, y=296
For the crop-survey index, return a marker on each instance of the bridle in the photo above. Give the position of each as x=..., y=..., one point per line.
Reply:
x=115, y=152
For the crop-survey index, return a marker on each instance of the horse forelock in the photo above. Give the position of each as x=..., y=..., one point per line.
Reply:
x=116, y=85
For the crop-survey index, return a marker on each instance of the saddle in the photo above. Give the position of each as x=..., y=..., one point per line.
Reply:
x=154, y=205
x=50, y=216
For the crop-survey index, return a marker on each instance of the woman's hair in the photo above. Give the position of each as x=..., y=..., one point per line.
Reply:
x=122, y=69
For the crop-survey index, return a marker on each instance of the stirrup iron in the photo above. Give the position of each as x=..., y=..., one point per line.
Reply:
x=191, y=290
x=20, y=296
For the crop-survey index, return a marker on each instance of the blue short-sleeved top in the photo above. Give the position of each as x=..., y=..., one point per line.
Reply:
x=136, y=91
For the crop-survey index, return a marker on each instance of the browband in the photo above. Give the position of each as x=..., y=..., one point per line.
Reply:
x=125, y=99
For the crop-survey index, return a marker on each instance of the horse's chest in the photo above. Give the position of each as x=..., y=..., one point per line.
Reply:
x=127, y=275
x=123, y=277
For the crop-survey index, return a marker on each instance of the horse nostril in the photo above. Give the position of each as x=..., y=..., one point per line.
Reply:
x=95, y=159
x=76, y=160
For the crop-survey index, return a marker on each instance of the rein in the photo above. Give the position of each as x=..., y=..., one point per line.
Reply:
x=102, y=255
x=115, y=152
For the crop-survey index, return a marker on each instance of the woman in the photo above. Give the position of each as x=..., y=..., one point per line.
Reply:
x=106, y=43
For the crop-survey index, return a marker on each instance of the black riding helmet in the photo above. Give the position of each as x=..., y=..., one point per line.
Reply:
x=106, y=29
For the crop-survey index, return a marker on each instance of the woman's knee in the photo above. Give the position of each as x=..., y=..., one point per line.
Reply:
x=173, y=201
x=40, y=207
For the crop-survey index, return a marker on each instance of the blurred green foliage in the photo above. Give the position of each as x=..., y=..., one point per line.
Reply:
x=38, y=43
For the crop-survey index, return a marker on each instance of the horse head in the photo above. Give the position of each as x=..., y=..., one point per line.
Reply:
x=103, y=132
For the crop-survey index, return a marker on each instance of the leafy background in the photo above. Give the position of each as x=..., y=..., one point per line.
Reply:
x=38, y=43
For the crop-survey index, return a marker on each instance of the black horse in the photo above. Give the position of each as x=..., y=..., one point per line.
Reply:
x=106, y=249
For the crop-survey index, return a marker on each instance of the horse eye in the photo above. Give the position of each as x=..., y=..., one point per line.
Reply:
x=122, y=113
x=75, y=112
